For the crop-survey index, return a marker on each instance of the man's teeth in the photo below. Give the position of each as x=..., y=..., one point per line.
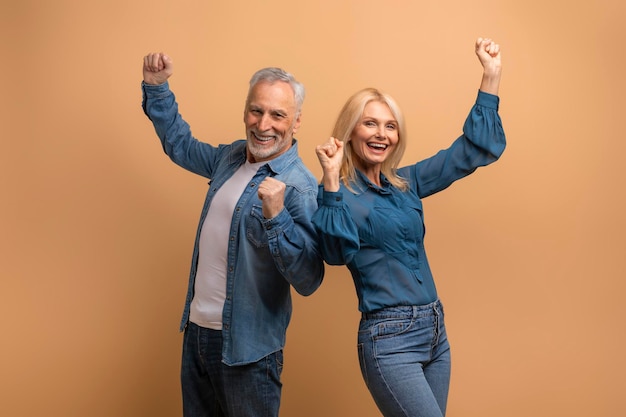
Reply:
x=264, y=138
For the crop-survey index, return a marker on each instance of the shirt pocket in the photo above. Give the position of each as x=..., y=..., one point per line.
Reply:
x=415, y=220
x=400, y=232
x=255, y=231
x=389, y=230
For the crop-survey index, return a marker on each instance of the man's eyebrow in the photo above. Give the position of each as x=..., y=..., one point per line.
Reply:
x=278, y=111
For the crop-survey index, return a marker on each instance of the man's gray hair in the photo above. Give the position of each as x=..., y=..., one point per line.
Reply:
x=273, y=74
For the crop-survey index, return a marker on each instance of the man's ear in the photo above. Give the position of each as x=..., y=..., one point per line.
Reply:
x=296, y=124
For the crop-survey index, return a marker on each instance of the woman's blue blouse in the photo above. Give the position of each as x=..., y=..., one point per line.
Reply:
x=378, y=232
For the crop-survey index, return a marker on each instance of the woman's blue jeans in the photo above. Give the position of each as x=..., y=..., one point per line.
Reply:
x=213, y=389
x=405, y=360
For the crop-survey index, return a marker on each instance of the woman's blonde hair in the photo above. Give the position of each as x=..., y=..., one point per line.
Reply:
x=347, y=120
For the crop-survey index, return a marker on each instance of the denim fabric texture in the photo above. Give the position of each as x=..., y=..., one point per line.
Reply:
x=213, y=389
x=405, y=360
x=266, y=257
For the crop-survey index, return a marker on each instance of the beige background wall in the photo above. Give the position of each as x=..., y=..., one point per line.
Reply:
x=97, y=225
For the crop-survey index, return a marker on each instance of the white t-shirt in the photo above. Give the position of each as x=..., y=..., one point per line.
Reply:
x=210, y=284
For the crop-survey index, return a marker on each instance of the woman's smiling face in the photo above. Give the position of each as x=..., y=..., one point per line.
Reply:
x=374, y=136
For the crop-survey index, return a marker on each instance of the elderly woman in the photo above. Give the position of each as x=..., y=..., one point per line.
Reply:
x=370, y=219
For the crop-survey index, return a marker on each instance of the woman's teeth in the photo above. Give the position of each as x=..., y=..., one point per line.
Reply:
x=377, y=146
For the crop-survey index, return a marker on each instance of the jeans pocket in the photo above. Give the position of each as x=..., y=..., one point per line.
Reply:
x=279, y=361
x=361, y=353
x=391, y=328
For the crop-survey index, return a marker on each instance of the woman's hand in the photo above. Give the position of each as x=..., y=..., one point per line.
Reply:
x=488, y=53
x=330, y=155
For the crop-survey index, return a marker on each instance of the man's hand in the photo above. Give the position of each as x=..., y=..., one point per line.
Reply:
x=157, y=68
x=272, y=194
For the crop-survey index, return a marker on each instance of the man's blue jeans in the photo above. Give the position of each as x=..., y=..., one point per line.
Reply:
x=213, y=389
x=405, y=360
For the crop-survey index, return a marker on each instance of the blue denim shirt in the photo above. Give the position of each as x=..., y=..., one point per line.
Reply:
x=378, y=232
x=265, y=256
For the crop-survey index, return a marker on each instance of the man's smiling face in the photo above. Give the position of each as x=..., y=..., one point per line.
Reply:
x=271, y=120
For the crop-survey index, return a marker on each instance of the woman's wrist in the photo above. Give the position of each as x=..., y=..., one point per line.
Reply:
x=330, y=182
x=490, y=82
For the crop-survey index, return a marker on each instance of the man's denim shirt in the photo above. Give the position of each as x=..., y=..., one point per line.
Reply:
x=265, y=256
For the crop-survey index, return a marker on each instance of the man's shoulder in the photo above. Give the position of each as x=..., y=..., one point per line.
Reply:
x=290, y=165
x=297, y=174
x=233, y=151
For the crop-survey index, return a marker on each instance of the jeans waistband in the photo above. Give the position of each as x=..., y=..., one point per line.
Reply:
x=404, y=312
x=195, y=328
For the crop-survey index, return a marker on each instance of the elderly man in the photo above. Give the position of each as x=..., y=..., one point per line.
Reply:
x=254, y=241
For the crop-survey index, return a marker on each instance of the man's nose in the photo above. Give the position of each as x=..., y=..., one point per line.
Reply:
x=265, y=122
